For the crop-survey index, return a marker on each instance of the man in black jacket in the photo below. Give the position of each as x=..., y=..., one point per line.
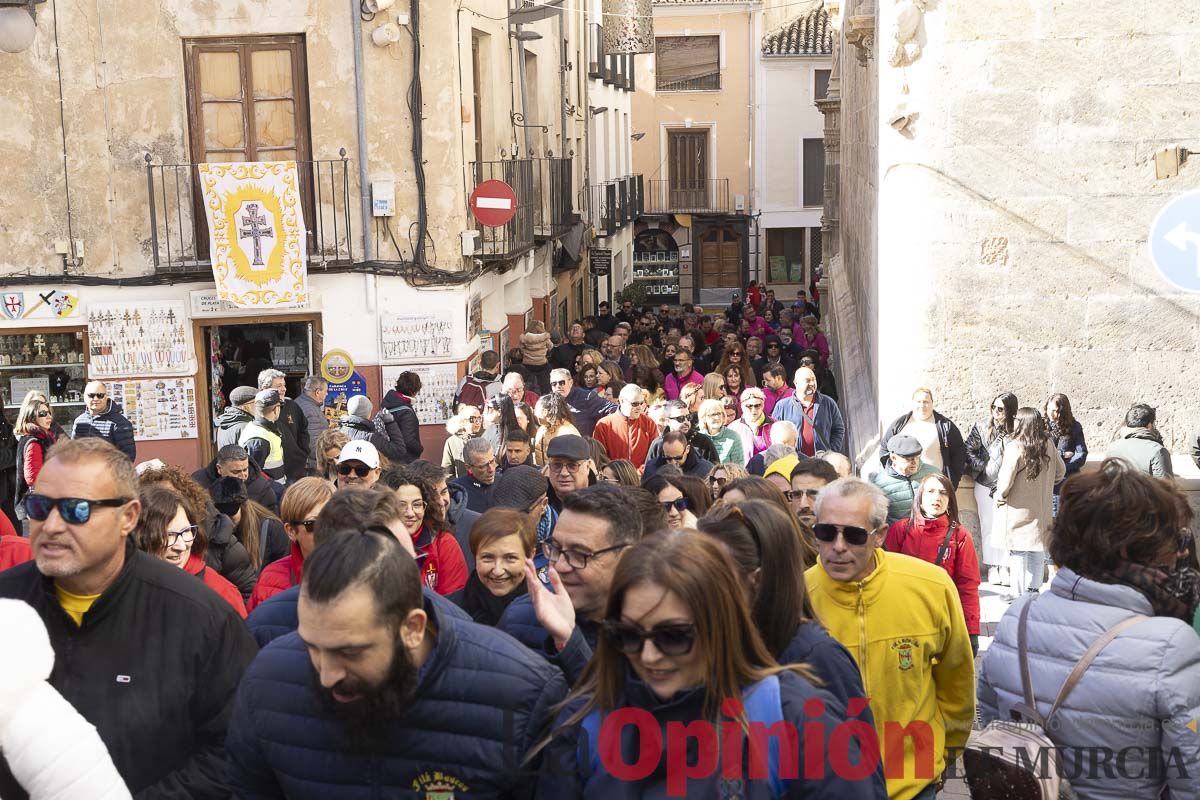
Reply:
x=160, y=702
x=940, y=438
x=233, y=461
x=292, y=424
x=388, y=695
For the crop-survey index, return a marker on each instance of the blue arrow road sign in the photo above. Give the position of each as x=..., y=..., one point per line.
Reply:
x=1175, y=241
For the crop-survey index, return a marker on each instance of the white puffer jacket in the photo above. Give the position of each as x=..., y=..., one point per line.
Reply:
x=1135, y=706
x=37, y=724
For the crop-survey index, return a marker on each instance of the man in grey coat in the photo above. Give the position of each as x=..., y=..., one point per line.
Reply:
x=103, y=419
x=311, y=403
x=1141, y=444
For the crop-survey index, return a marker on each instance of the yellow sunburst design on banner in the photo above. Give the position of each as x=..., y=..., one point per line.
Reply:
x=274, y=185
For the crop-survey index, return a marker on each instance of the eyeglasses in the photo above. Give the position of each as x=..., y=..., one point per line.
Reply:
x=999, y=408
x=307, y=524
x=752, y=405
x=792, y=494
x=578, y=560
x=73, y=510
x=475, y=419
x=684, y=418
x=44, y=414
x=636, y=403
x=670, y=640
x=854, y=535
x=679, y=504
x=361, y=470
x=558, y=383
x=95, y=396
x=674, y=459
x=417, y=507
x=563, y=466
x=489, y=464
x=188, y=535
x=718, y=480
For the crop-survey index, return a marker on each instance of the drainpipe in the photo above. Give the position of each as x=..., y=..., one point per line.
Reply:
x=753, y=64
x=360, y=108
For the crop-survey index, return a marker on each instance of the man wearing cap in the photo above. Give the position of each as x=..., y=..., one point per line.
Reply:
x=525, y=489
x=903, y=474
x=291, y=424
x=358, y=465
x=628, y=432
x=815, y=415
x=586, y=405
x=481, y=474
x=236, y=416
x=569, y=467
x=261, y=437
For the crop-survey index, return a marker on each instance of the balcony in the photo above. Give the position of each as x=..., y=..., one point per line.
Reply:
x=543, y=189
x=616, y=204
x=701, y=196
x=179, y=230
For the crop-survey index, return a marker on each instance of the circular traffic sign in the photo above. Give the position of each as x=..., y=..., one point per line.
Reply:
x=1175, y=241
x=494, y=203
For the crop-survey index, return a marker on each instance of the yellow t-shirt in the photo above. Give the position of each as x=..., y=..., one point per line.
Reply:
x=76, y=605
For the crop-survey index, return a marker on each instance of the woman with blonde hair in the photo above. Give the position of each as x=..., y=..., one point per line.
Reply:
x=679, y=642
x=713, y=387
x=301, y=504
x=711, y=419
x=35, y=433
x=466, y=424
x=329, y=447
x=554, y=419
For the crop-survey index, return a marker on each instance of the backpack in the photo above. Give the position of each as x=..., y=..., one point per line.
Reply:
x=1003, y=761
x=476, y=391
x=762, y=703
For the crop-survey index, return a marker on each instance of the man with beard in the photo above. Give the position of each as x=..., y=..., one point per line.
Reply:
x=378, y=692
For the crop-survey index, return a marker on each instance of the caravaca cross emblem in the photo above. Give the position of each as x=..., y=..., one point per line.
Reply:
x=904, y=652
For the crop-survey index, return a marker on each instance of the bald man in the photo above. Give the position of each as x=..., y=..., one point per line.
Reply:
x=102, y=418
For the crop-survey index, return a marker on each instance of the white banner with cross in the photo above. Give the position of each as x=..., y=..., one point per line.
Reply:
x=256, y=233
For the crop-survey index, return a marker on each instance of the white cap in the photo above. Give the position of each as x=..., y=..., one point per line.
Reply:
x=360, y=450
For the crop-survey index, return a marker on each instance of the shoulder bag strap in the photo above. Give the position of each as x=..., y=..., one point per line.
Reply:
x=1023, y=655
x=944, y=550
x=262, y=540
x=1090, y=656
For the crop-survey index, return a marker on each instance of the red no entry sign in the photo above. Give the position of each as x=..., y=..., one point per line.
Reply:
x=494, y=203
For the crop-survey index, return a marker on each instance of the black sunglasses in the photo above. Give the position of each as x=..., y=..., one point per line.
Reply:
x=680, y=504
x=854, y=535
x=361, y=470
x=73, y=510
x=308, y=524
x=94, y=396
x=670, y=640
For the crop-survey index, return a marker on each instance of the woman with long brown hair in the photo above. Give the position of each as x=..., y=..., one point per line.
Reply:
x=985, y=453
x=735, y=355
x=1028, y=473
x=35, y=435
x=678, y=645
x=765, y=543
x=1067, y=435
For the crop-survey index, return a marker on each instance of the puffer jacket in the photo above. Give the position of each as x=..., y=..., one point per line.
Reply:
x=574, y=770
x=1138, y=699
x=950, y=442
x=901, y=490
x=534, y=348
x=109, y=425
x=229, y=426
x=984, y=456
x=360, y=428
x=924, y=541
x=226, y=554
x=482, y=701
x=278, y=576
x=521, y=622
x=277, y=616
x=407, y=425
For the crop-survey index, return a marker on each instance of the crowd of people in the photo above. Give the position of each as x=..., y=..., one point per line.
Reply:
x=642, y=544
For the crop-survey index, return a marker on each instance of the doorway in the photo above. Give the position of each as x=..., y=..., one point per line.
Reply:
x=236, y=350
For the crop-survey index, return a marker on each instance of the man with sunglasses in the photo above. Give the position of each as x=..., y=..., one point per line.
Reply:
x=679, y=418
x=358, y=465
x=562, y=623
x=628, y=433
x=587, y=406
x=902, y=620
x=144, y=651
x=675, y=451
x=102, y=418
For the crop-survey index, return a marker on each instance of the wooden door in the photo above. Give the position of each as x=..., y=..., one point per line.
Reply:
x=687, y=161
x=720, y=259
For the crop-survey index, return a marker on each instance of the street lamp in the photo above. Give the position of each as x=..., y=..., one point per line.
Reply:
x=17, y=25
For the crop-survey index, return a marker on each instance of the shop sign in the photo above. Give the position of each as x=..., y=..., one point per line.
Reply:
x=205, y=303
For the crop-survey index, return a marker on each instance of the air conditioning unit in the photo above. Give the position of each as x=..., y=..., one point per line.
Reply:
x=470, y=242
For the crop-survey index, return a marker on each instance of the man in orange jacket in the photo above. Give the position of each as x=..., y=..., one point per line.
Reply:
x=628, y=432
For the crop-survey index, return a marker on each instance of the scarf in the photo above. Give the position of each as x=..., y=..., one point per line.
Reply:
x=1171, y=592
x=485, y=607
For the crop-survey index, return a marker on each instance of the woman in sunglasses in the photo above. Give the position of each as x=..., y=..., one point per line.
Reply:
x=301, y=504
x=722, y=475
x=678, y=644
x=620, y=471
x=674, y=501
x=933, y=533
x=34, y=425
x=764, y=541
x=985, y=452
x=170, y=530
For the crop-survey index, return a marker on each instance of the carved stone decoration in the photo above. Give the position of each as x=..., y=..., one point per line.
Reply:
x=628, y=26
x=860, y=30
x=906, y=49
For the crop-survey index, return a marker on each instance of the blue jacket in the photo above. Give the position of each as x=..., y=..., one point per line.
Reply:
x=276, y=616
x=829, y=660
x=479, y=495
x=573, y=769
x=829, y=430
x=588, y=407
x=110, y=425
x=482, y=701
x=521, y=623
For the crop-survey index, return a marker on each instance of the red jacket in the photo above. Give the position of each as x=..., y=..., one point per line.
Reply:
x=961, y=561
x=13, y=549
x=623, y=439
x=443, y=568
x=195, y=566
x=278, y=576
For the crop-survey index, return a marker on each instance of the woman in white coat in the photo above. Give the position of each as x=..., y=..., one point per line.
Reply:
x=1024, y=495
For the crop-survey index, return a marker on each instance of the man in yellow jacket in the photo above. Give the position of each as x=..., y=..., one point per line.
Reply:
x=901, y=619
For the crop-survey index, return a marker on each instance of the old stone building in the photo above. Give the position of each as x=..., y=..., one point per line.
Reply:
x=995, y=188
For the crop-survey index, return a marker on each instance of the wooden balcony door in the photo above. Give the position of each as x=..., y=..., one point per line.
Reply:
x=687, y=164
x=248, y=101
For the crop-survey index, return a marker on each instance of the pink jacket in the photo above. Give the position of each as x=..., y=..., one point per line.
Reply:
x=759, y=327
x=818, y=343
